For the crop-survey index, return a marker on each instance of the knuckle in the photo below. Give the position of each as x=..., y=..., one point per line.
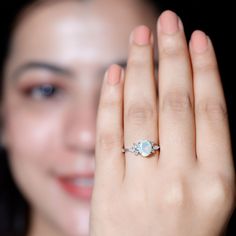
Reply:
x=177, y=102
x=172, y=48
x=221, y=192
x=176, y=194
x=138, y=62
x=205, y=65
x=109, y=105
x=107, y=140
x=140, y=54
x=140, y=113
x=212, y=110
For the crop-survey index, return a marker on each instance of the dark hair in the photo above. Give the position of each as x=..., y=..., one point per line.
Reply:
x=14, y=209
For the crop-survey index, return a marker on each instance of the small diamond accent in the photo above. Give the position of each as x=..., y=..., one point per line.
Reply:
x=143, y=147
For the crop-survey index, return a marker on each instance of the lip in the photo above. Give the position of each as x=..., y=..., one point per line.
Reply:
x=82, y=192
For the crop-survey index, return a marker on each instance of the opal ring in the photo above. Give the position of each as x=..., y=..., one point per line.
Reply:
x=144, y=148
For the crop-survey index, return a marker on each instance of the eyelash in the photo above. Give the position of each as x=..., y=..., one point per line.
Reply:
x=44, y=91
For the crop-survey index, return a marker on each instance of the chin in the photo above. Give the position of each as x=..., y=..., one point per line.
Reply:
x=77, y=224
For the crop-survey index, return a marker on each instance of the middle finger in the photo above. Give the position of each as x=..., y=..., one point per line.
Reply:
x=177, y=126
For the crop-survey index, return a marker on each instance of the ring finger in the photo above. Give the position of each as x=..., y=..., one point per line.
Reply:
x=140, y=101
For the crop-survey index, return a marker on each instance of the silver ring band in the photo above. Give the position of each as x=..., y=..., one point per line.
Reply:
x=144, y=148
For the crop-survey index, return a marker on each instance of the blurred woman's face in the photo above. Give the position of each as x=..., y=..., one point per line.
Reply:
x=53, y=77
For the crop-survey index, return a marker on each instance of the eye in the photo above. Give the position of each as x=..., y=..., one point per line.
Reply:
x=45, y=91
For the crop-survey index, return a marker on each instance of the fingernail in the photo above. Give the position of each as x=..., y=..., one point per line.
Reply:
x=199, y=41
x=141, y=35
x=169, y=23
x=114, y=74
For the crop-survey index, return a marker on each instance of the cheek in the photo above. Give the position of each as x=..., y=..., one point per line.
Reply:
x=31, y=136
x=31, y=139
x=34, y=140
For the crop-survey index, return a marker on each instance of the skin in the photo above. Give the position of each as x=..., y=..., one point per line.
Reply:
x=55, y=135
x=188, y=188
x=183, y=190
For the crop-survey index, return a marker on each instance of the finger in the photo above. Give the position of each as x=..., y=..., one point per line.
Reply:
x=140, y=100
x=109, y=130
x=212, y=132
x=176, y=115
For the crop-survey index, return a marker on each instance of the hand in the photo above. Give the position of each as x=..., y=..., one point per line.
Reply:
x=188, y=187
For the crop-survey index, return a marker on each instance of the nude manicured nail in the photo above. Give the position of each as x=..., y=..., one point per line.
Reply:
x=114, y=74
x=169, y=23
x=199, y=41
x=141, y=35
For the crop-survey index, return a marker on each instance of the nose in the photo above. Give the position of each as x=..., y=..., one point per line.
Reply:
x=80, y=127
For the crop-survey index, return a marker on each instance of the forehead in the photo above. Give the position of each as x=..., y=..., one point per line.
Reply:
x=74, y=28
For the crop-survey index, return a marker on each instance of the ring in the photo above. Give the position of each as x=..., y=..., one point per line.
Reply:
x=143, y=148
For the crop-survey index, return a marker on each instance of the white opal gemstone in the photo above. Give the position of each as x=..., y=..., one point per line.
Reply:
x=145, y=148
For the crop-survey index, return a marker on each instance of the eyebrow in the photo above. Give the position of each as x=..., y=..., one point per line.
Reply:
x=41, y=66
x=124, y=64
x=56, y=69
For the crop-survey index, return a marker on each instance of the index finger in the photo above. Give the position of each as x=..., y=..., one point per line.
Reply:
x=109, y=131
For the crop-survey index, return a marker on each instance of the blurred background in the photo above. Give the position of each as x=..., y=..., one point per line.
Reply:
x=213, y=17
